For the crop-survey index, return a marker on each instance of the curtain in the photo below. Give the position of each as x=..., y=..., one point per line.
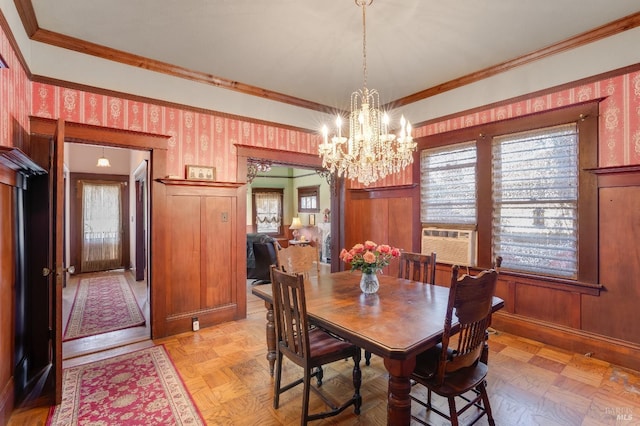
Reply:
x=101, y=226
x=268, y=211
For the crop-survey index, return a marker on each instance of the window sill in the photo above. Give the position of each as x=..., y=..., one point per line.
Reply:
x=553, y=282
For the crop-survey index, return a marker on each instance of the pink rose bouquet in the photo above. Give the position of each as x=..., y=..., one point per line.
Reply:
x=369, y=257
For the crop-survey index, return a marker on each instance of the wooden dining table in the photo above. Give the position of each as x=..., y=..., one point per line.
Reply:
x=401, y=320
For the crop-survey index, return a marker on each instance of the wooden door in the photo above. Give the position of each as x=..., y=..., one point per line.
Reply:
x=44, y=211
x=56, y=241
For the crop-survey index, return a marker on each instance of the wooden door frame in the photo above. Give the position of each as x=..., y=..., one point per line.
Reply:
x=142, y=213
x=156, y=145
x=296, y=159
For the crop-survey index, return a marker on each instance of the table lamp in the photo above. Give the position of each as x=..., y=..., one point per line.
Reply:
x=295, y=225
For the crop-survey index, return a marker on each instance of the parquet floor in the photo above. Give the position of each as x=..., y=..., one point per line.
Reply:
x=225, y=370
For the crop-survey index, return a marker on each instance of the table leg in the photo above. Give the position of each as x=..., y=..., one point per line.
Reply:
x=271, y=337
x=398, y=399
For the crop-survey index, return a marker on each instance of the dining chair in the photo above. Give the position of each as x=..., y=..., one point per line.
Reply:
x=418, y=267
x=299, y=259
x=308, y=347
x=454, y=367
x=415, y=267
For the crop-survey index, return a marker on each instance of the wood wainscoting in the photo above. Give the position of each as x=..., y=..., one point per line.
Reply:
x=205, y=244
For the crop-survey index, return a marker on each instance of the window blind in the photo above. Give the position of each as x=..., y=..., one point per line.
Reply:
x=448, y=184
x=535, y=198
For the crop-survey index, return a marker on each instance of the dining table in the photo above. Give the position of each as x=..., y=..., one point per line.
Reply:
x=401, y=320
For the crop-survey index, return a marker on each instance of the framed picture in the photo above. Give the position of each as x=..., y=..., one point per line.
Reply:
x=312, y=220
x=201, y=172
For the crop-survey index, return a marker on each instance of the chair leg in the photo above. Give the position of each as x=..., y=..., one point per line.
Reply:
x=452, y=411
x=277, y=381
x=367, y=358
x=485, y=401
x=305, y=397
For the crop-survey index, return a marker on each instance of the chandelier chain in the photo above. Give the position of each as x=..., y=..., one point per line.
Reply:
x=364, y=42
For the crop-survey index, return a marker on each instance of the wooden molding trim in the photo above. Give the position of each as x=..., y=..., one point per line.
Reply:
x=617, y=176
x=615, y=351
x=193, y=182
x=281, y=157
x=83, y=133
x=384, y=192
x=604, y=31
x=30, y=23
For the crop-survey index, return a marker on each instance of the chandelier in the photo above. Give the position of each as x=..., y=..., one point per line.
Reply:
x=370, y=152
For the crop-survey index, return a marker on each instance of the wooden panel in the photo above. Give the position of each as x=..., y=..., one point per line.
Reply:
x=544, y=304
x=217, y=228
x=613, y=313
x=400, y=227
x=183, y=215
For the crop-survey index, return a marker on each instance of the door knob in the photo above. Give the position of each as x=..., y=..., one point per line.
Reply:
x=46, y=272
x=71, y=269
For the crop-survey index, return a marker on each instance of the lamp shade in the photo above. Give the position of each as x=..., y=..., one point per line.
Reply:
x=103, y=161
x=296, y=223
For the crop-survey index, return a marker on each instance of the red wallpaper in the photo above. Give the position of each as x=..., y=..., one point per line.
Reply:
x=208, y=139
x=619, y=126
x=14, y=97
x=196, y=138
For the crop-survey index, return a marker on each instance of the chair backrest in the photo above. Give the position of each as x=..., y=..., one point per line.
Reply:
x=470, y=298
x=290, y=312
x=299, y=259
x=418, y=267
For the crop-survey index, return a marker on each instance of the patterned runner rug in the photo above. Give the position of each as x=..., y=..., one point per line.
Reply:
x=102, y=304
x=138, y=388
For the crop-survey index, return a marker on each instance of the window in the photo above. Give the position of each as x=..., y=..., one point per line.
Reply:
x=101, y=226
x=309, y=199
x=267, y=210
x=448, y=184
x=524, y=186
x=535, y=200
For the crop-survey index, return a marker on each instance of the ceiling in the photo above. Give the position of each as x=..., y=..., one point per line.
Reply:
x=310, y=52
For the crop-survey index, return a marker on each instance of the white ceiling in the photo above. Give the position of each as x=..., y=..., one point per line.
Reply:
x=312, y=50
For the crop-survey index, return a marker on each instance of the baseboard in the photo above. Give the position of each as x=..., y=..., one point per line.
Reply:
x=615, y=351
x=7, y=399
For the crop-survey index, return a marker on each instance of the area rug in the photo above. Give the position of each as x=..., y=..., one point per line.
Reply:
x=138, y=388
x=102, y=304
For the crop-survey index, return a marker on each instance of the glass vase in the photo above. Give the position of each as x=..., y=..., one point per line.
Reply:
x=369, y=283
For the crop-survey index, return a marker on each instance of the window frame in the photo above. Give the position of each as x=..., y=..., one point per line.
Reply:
x=585, y=115
x=309, y=191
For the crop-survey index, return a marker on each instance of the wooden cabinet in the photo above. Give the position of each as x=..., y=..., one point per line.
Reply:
x=203, y=243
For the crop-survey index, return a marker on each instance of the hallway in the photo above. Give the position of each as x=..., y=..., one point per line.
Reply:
x=113, y=339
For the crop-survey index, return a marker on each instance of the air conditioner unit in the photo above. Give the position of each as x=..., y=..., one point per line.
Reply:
x=452, y=246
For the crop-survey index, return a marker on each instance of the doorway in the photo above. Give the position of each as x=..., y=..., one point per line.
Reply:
x=102, y=217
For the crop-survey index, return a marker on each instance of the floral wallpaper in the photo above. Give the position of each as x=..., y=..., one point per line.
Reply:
x=208, y=138
x=14, y=97
x=619, y=126
x=198, y=138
